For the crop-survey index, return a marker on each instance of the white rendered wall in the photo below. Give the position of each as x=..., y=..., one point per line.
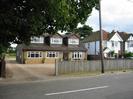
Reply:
x=127, y=48
x=115, y=38
x=91, y=48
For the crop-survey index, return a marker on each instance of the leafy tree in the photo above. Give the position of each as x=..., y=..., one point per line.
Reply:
x=21, y=19
x=83, y=31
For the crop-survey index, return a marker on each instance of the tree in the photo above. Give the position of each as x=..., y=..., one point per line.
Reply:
x=83, y=31
x=21, y=19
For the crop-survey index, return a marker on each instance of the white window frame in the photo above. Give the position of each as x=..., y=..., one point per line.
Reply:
x=37, y=40
x=73, y=41
x=130, y=44
x=52, y=54
x=56, y=40
x=34, y=54
x=77, y=55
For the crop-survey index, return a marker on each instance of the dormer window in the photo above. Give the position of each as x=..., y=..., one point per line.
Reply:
x=56, y=41
x=73, y=41
x=37, y=40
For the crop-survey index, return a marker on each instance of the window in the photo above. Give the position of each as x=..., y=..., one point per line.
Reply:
x=113, y=44
x=37, y=40
x=116, y=43
x=56, y=40
x=73, y=41
x=130, y=44
x=52, y=54
x=77, y=55
x=104, y=43
x=34, y=54
x=88, y=45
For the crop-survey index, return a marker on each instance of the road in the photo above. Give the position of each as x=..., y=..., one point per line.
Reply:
x=109, y=86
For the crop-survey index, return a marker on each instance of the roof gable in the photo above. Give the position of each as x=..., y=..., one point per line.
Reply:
x=130, y=37
x=124, y=35
x=115, y=37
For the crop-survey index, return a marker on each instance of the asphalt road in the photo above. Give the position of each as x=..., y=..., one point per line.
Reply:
x=111, y=86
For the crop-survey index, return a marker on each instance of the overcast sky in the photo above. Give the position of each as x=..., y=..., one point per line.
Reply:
x=116, y=15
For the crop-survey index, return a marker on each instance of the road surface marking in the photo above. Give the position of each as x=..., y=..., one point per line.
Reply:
x=73, y=91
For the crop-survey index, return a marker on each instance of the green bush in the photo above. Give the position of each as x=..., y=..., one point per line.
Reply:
x=112, y=53
x=128, y=54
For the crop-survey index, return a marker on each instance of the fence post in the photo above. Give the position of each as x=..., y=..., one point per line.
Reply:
x=56, y=68
x=2, y=68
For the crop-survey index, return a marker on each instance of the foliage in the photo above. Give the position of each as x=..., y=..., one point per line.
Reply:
x=128, y=54
x=83, y=31
x=21, y=19
x=112, y=53
x=2, y=50
x=11, y=50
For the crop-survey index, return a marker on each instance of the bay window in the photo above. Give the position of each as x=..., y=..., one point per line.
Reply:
x=34, y=54
x=77, y=55
x=52, y=54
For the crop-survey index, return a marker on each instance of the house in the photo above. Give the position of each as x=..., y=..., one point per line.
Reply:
x=129, y=44
x=48, y=48
x=112, y=44
x=128, y=41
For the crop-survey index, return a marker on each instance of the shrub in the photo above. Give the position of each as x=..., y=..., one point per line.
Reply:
x=128, y=54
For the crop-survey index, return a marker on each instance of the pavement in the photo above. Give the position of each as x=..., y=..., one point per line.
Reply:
x=106, y=86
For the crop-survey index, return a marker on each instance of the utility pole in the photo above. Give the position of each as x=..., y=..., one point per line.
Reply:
x=101, y=38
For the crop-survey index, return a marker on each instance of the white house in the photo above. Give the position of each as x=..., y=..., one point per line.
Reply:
x=129, y=43
x=112, y=42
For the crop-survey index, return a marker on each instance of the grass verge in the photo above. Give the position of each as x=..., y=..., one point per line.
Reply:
x=76, y=74
x=80, y=74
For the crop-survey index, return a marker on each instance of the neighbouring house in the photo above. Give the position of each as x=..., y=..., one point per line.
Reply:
x=112, y=44
x=129, y=43
x=48, y=48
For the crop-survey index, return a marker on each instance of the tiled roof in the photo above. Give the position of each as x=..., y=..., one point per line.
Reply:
x=106, y=36
x=124, y=35
x=95, y=36
x=42, y=47
x=51, y=35
x=71, y=34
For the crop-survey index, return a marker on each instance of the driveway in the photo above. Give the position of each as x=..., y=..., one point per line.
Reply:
x=16, y=71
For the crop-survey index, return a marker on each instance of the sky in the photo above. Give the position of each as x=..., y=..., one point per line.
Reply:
x=116, y=15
